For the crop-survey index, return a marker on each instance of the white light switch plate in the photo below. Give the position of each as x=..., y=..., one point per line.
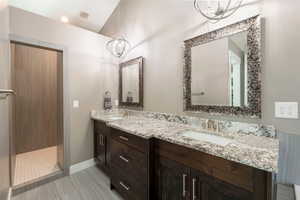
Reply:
x=75, y=104
x=287, y=110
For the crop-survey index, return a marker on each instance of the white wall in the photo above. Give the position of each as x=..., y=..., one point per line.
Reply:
x=4, y=104
x=87, y=63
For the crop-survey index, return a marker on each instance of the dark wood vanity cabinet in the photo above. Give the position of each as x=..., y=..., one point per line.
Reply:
x=171, y=180
x=102, y=146
x=186, y=174
x=130, y=165
x=204, y=187
x=175, y=181
x=146, y=169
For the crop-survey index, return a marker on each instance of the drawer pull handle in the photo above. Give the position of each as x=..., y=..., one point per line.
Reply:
x=194, y=189
x=183, y=185
x=124, y=159
x=124, y=186
x=100, y=140
x=123, y=138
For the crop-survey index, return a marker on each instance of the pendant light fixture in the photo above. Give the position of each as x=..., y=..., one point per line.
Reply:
x=216, y=10
x=118, y=46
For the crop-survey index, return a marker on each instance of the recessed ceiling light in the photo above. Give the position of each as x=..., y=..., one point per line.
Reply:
x=64, y=19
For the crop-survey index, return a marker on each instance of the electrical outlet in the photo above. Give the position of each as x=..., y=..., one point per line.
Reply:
x=286, y=110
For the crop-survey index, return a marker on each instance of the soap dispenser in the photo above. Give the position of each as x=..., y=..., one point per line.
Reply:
x=107, y=104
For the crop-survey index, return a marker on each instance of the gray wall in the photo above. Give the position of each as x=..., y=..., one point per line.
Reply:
x=4, y=104
x=87, y=61
x=157, y=29
x=206, y=68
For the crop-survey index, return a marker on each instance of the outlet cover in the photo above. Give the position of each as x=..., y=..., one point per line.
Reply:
x=286, y=110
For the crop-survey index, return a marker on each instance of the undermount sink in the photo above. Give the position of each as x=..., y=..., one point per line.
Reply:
x=115, y=117
x=207, y=137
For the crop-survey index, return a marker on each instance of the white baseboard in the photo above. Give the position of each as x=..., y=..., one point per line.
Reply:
x=82, y=166
x=9, y=194
x=297, y=192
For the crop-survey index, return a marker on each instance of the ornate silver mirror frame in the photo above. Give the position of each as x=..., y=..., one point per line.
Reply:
x=253, y=109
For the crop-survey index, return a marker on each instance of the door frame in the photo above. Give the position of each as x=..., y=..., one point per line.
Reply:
x=65, y=92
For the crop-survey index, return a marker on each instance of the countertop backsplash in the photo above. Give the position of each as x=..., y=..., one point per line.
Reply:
x=224, y=126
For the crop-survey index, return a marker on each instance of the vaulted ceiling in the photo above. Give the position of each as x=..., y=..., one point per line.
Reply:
x=88, y=14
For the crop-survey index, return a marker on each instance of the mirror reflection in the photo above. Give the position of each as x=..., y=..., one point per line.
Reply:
x=130, y=83
x=219, y=72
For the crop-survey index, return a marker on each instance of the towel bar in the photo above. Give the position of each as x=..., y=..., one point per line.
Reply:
x=6, y=93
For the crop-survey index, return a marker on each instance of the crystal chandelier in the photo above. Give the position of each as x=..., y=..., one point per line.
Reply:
x=118, y=47
x=217, y=9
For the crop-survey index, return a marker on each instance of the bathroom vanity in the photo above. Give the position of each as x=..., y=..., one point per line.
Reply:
x=164, y=159
x=102, y=146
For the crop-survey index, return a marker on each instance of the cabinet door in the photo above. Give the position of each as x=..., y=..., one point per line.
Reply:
x=102, y=146
x=171, y=180
x=204, y=187
x=101, y=150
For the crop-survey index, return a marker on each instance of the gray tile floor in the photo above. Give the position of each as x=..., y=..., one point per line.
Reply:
x=285, y=192
x=92, y=184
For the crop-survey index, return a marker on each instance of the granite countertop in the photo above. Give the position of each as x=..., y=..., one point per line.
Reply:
x=255, y=151
x=106, y=116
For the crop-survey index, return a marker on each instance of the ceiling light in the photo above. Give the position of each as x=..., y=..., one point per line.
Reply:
x=64, y=19
x=217, y=9
x=118, y=47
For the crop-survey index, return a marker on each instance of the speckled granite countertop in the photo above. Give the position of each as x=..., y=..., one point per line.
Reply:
x=255, y=151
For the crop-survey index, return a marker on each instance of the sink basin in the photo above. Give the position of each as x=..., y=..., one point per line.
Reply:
x=207, y=137
x=115, y=118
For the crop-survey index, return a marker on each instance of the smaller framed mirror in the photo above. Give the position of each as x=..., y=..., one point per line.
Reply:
x=131, y=91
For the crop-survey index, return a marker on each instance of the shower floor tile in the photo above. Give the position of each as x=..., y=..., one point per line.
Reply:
x=35, y=164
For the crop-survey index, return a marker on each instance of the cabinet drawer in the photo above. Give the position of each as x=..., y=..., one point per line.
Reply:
x=131, y=140
x=129, y=161
x=225, y=170
x=128, y=187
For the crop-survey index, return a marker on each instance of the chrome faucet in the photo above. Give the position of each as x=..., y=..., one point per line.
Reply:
x=212, y=125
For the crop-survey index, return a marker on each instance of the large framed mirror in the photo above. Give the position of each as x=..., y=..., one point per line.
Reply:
x=131, y=91
x=222, y=70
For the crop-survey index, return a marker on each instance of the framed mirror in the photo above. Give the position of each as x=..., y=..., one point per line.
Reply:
x=222, y=70
x=131, y=91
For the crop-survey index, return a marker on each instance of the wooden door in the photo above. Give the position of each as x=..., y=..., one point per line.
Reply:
x=204, y=187
x=38, y=109
x=171, y=180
